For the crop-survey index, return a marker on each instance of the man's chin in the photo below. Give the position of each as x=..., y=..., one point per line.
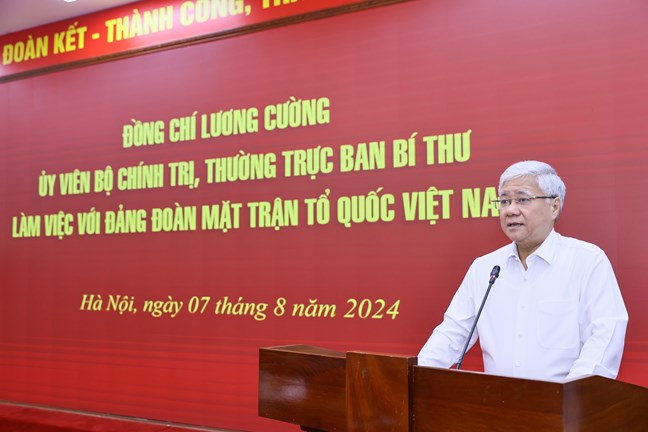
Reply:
x=516, y=233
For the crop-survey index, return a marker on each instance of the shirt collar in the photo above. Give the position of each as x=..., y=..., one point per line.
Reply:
x=546, y=251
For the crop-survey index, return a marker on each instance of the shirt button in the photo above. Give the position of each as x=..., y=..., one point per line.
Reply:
x=518, y=364
x=519, y=335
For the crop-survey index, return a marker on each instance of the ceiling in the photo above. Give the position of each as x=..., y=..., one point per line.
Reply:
x=16, y=15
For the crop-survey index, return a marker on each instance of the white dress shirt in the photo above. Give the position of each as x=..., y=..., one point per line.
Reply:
x=562, y=318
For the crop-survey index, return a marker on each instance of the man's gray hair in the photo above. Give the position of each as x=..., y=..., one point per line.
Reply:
x=545, y=176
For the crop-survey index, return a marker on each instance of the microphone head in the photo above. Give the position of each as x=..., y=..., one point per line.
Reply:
x=494, y=273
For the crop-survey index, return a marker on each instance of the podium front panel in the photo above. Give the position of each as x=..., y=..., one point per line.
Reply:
x=459, y=401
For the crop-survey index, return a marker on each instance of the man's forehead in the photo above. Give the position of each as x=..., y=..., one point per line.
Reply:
x=517, y=191
x=520, y=186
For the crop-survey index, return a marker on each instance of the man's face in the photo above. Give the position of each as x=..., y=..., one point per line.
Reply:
x=527, y=225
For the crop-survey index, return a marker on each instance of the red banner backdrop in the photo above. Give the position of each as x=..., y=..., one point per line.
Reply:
x=149, y=25
x=325, y=183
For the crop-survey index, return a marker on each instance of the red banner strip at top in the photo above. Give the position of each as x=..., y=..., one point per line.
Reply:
x=145, y=25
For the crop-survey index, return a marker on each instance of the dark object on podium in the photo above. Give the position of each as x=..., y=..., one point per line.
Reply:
x=324, y=390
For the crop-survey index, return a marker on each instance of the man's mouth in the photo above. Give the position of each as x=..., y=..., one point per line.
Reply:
x=514, y=224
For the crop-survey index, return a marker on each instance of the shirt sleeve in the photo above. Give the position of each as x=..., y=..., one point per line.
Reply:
x=444, y=346
x=602, y=320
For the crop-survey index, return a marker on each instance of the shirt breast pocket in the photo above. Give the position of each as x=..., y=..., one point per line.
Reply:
x=557, y=324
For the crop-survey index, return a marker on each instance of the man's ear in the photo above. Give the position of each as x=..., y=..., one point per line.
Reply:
x=555, y=207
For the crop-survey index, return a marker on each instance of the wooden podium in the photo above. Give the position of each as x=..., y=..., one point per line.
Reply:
x=324, y=390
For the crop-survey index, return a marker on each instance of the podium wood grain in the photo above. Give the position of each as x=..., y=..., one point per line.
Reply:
x=324, y=390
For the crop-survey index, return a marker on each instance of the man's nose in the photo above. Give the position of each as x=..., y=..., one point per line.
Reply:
x=513, y=208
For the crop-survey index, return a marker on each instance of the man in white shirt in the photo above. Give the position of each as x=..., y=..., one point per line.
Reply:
x=555, y=312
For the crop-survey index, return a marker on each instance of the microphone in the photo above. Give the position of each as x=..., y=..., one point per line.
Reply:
x=493, y=276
